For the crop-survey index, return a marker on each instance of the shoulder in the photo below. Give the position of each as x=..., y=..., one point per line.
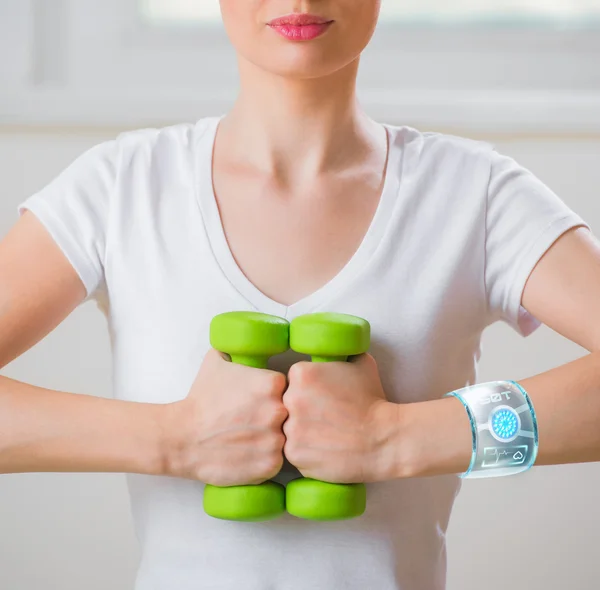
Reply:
x=430, y=148
x=170, y=141
x=133, y=160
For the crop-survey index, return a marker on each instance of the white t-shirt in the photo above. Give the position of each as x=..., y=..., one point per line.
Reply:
x=457, y=232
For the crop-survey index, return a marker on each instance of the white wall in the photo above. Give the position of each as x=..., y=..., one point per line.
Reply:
x=73, y=531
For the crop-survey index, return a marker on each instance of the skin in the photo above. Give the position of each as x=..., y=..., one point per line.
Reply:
x=297, y=147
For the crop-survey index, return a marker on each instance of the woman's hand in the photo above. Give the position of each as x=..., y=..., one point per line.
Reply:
x=340, y=427
x=228, y=431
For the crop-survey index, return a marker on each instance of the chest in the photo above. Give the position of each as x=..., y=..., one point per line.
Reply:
x=410, y=263
x=289, y=243
x=185, y=250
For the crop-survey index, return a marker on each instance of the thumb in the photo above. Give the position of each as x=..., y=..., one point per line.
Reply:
x=361, y=360
x=215, y=354
x=366, y=364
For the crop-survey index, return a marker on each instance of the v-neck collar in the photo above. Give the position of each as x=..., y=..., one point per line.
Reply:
x=205, y=195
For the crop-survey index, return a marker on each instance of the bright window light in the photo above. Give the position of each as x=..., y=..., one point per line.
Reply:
x=180, y=11
x=492, y=11
x=512, y=12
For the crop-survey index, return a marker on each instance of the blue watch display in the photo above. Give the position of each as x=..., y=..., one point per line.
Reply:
x=504, y=428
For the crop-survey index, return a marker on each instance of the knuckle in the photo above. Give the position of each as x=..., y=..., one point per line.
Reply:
x=275, y=415
x=301, y=372
x=277, y=382
x=282, y=414
x=279, y=442
x=272, y=464
x=293, y=452
x=296, y=402
x=289, y=399
x=290, y=404
x=291, y=430
x=273, y=443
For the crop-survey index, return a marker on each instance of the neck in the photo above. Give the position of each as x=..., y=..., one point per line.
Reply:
x=291, y=128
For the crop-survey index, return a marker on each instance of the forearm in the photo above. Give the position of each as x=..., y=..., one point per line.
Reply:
x=566, y=399
x=43, y=430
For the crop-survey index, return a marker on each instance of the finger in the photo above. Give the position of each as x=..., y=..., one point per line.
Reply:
x=279, y=373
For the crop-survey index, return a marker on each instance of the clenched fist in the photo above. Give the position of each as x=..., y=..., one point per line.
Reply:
x=340, y=424
x=228, y=431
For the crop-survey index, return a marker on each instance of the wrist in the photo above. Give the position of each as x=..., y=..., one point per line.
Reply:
x=437, y=438
x=139, y=444
x=388, y=460
x=155, y=455
x=171, y=439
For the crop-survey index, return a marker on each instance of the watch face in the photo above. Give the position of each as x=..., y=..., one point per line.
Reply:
x=505, y=429
x=504, y=424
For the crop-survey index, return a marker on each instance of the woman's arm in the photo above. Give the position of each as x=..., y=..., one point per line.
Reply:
x=44, y=430
x=227, y=431
x=563, y=292
x=436, y=435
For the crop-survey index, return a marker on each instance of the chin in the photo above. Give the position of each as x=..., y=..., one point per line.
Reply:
x=302, y=63
x=301, y=71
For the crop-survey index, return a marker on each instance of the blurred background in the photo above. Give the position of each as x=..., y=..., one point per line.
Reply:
x=521, y=74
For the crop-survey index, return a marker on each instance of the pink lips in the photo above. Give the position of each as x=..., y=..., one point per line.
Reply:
x=300, y=27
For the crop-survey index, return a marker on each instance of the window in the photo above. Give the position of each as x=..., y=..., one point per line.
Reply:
x=558, y=13
x=180, y=11
x=477, y=66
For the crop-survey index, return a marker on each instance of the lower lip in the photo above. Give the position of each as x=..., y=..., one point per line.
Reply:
x=301, y=33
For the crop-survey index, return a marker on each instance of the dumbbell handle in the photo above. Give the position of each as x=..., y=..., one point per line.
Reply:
x=257, y=362
x=329, y=359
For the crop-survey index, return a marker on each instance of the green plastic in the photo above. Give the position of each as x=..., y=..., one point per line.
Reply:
x=318, y=500
x=330, y=336
x=249, y=338
x=245, y=503
x=327, y=337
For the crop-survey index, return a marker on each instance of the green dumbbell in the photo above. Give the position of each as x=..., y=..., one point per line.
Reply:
x=249, y=338
x=327, y=337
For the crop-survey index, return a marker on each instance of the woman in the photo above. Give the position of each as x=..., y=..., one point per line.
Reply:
x=295, y=201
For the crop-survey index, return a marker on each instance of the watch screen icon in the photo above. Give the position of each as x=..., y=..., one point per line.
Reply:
x=504, y=424
x=504, y=456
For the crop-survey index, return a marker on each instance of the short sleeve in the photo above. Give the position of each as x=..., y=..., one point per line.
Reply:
x=524, y=218
x=74, y=210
